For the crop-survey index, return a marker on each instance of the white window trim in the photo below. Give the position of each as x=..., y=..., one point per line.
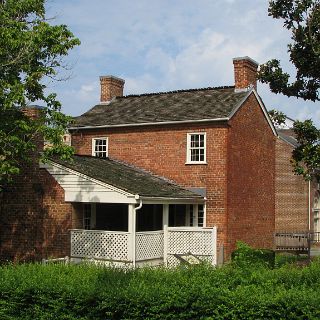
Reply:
x=188, y=148
x=93, y=144
x=203, y=218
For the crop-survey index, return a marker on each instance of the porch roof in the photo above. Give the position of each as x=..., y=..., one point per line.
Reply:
x=127, y=177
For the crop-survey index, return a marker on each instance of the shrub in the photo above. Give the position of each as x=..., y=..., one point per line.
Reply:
x=246, y=256
x=34, y=291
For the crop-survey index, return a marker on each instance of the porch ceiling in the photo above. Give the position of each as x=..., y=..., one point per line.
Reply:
x=127, y=178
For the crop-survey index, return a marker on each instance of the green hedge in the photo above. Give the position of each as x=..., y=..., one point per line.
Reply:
x=34, y=291
x=245, y=256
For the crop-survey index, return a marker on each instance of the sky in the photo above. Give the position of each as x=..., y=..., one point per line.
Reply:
x=165, y=45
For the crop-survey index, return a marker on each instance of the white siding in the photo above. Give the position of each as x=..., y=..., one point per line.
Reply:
x=79, y=188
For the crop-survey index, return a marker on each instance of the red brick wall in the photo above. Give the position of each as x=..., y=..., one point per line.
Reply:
x=251, y=200
x=291, y=193
x=34, y=219
x=162, y=150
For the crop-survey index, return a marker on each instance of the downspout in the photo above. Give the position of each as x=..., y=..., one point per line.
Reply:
x=309, y=206
x=309, y=220
x=134, y=235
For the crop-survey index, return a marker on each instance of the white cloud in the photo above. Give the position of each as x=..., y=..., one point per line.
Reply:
x=166, y=45
x=88, y=91
x=206, y=62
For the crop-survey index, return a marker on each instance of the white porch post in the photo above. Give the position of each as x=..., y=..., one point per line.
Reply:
x=132, y=231
x=165, y=220
x=195, y=215
x=214, y=244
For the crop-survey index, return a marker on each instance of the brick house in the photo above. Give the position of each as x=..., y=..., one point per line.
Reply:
x=297, y=201
x=194, y=159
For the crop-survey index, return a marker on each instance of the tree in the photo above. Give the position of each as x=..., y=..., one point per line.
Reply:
x=31, y=50
x=302, y=19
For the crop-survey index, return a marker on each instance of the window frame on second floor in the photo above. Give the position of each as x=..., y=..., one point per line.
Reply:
x=100, y=153
x=196, y=148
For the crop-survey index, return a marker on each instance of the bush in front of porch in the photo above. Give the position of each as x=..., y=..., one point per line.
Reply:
x=34, y=291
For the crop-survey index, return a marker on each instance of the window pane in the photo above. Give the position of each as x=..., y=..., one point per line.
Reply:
x=194, y=155
x=201, y=156
x=201, y=141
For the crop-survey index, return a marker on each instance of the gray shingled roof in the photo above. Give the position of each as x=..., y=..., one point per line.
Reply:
x=194, y=104
x=288, y=136
x=126, y=177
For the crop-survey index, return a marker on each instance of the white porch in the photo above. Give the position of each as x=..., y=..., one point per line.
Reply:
x=148, y=248
x=126, y=216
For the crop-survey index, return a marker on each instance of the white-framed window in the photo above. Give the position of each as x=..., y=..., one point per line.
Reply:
x=196, y=148
x=89, y=216
x=195, y=215
x=100, y=147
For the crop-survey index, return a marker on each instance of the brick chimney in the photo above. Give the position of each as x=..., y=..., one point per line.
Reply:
x=110, y=87
x=245, y=73
x=33, y=111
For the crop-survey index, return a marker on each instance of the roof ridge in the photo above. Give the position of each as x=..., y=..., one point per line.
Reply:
x=175, y=91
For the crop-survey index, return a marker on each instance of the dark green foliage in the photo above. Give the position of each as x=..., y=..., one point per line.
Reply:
x=302, y=19
x=306, y=157
x=277, y=117
x=290, y=258
x=199, y=292
x=245, y=256
x=31, y=51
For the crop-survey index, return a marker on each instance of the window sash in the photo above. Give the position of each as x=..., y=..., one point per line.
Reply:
x=100, y=147
x=196, y=148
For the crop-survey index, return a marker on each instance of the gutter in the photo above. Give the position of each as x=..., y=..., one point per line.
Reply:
x=148, y=124
x=199, y=199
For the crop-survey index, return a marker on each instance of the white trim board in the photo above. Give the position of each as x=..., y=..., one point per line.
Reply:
x=81, y=188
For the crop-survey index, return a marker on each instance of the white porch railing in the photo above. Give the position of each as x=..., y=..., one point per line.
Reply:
x=200, y=242
x=156, y=246
x=96, y=244
x=149, y=245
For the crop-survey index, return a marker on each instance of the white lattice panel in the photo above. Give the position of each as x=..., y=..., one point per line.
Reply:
x=100, y=244
x=149, y=245
x=199, y=242
x=196, y=242
x=172, y=261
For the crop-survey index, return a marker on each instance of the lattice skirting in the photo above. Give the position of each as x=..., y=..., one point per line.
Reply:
x=100, y=244
x=149, y=245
